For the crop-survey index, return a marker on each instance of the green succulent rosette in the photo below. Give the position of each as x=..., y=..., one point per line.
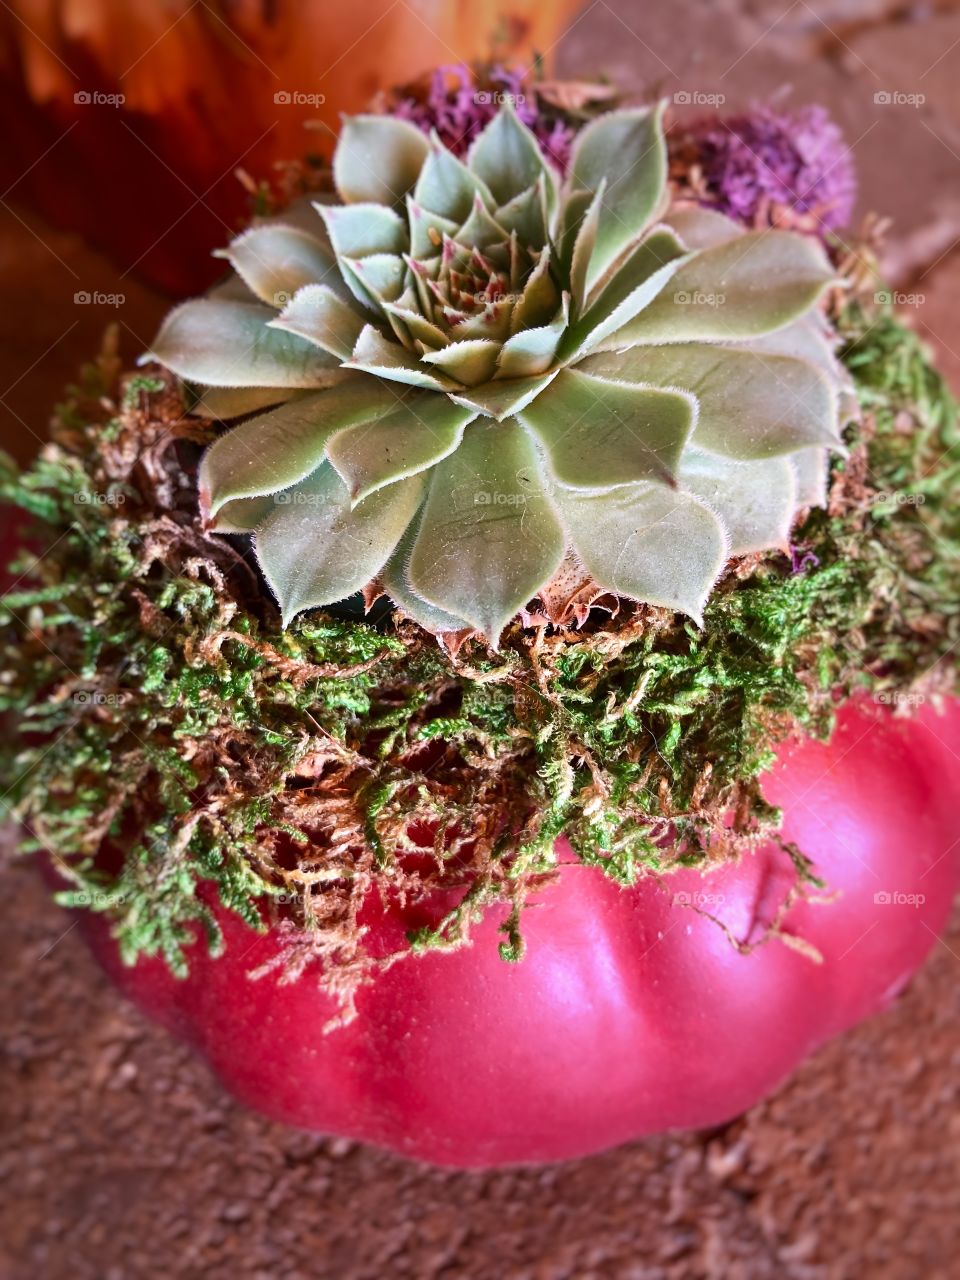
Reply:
x=463, y=375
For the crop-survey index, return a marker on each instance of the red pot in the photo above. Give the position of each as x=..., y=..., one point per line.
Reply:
x=632, y=1012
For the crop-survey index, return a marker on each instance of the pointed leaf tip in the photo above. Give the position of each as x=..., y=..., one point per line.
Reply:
x=626, y=148
x=229, y=344
x=489, y=536
x=314, y=549
x=648, y=544
x=600, y=434
x=507, y=157
x=378, y=159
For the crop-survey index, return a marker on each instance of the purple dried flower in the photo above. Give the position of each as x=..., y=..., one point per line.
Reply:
x=458, y=106
x=798, y=160
x=556, y=138
x=802, y=558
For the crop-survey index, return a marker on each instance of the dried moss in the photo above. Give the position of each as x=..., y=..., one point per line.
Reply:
x=169, y=735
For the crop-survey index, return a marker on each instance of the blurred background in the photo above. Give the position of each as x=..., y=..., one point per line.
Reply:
x=135, y=138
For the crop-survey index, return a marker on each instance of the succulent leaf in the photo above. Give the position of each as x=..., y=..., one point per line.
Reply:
x=228, y=344
x=811, y=467
x=415, y=435
x=743, y=288
x=425, y=226
x=376, y=354
x=486, y=507
x=321, y=316
x=481, y=229
x=598, y=434
x=233, y=288
x=224, y=403
x=756, y=501
x=315, y=547
x=531, y=351
x=242, y=515
x=447, y=188
x=277, y=449
x=473, y=375
x=275, y=261
x=702, y=228
x=540, y=298
x=378, y=160
x=647, y=543
x=584, y=247
x=504, y=398
x=623, y=157
x=575, y=207
x=419, y=329
x=751, y=405
x=807, y=340
x=394, y=581
x=472, y=362
x=357, y=230
x=507, y=157
x=647, y=270
x=527, y=214
x=375, y=280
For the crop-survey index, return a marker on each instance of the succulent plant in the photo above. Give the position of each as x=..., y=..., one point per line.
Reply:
x=474, y=373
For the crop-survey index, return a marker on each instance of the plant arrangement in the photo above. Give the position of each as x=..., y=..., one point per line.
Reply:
x=488, y=681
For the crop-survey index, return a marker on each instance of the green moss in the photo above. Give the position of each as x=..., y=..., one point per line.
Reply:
x=160, y=712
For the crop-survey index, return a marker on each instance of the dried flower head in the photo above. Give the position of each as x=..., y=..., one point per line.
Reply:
x=796, y=160
x=457, y=103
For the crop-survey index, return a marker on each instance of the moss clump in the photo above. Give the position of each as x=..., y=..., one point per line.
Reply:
x=166, y=732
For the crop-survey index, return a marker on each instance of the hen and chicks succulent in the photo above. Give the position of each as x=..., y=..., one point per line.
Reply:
x=467, y=373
